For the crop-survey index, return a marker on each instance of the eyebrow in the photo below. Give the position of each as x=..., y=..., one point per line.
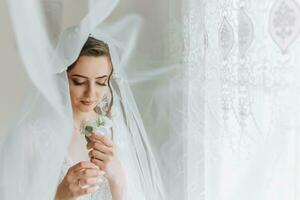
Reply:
x=88, y=77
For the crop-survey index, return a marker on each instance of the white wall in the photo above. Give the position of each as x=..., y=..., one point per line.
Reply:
x=13, y=79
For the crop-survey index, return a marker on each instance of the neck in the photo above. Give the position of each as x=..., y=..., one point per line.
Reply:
x=79, y=117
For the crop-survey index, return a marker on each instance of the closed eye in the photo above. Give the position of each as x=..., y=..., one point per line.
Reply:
x=78, y=82
x=101, y=84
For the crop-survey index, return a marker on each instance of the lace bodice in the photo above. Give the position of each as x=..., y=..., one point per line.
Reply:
x=103, y=193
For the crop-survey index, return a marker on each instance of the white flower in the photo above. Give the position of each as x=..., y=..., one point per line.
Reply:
x=99, y=126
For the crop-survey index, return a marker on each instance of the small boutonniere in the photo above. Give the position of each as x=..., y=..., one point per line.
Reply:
x=100, y=126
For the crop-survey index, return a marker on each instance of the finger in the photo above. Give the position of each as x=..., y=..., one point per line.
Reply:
x=100, y=147
x=99, y=155
x=87, y=190
x=83, y=165
x=88, y=181
x=99, y=163
x=76, y=186
x=88, y=173
x=97, y=137
x=104, y=139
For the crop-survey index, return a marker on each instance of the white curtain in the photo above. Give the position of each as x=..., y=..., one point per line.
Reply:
x=243, y=63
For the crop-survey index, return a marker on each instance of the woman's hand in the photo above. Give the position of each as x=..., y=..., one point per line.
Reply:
x=81, y=179
x=103, y=154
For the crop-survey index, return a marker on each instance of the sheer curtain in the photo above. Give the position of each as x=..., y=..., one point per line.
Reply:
x=243, y=138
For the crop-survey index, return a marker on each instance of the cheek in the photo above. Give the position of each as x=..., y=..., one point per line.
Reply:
x=75, y=93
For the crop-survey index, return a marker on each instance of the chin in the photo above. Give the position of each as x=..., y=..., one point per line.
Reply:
x=86, y=109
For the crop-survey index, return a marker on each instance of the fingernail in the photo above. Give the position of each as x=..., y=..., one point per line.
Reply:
x=95, y=166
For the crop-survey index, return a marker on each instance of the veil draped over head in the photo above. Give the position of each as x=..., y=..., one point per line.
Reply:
x=33, y=151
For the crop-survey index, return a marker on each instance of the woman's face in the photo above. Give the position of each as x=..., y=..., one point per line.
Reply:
x=88, y=82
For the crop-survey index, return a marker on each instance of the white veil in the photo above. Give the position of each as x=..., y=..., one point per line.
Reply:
x=32, y=152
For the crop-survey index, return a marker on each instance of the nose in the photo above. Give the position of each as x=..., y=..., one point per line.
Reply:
x=91, y=92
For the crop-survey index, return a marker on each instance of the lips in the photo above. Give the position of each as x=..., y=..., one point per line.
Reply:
x=87, y=103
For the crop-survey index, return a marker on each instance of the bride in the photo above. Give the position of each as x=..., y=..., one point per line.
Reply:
x=89, y=82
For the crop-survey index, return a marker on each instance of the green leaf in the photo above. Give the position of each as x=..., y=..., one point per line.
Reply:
x=89, y=129
x=87, y=138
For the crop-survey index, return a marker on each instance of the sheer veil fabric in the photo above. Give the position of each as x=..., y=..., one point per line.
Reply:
x=33, y=151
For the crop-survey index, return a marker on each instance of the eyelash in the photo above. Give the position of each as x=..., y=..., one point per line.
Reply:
x=81, y=83
x=101, y=84
x=77, y=83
